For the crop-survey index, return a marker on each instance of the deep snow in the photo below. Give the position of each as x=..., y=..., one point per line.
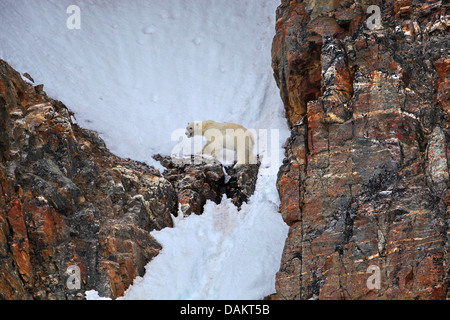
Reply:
x=137, y=72
x=228, y=254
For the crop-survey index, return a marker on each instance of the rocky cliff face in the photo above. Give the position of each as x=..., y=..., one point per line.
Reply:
x=364, y=185
x=66, y=200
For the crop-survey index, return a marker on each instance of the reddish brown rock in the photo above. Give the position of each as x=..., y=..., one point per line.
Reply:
x=442, y=66
x=295, y=59
x=365, y=180
x=16, y=220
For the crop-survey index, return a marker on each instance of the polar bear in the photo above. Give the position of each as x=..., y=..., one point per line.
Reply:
x=229, y=136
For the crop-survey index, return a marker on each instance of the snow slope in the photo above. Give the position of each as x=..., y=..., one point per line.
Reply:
x=222, y=254
x=137, y=71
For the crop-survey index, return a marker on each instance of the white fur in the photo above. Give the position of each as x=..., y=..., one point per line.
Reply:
x=229, y=136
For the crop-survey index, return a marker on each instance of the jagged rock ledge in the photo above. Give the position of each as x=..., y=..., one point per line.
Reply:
x=197, y=179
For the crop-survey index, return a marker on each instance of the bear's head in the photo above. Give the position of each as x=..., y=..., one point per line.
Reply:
x=193, y=128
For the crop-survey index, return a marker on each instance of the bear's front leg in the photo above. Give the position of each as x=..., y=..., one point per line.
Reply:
x=205, y=148
x=208, y=149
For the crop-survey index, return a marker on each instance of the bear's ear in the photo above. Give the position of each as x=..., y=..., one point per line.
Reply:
x=197, y=124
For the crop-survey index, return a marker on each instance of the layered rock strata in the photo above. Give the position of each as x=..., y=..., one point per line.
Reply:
x=364, y=185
